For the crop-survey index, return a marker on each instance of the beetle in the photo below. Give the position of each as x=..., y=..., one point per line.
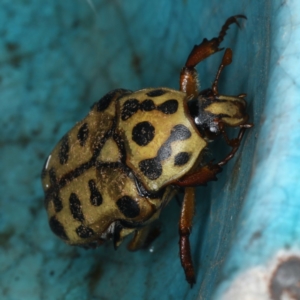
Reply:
x=114, y=171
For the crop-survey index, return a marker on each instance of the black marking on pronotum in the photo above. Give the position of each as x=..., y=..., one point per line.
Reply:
x=105, y=101
x=143, y=133
x=169, y=107
x=58, y=228
x=76, y=208
x=84, y=232
x=181, y=158
x=83, y=134
x=152, y=167
x=130, y=107
x=147, y=105
x=128, y=207
x=95, y=196
x=64, y=149
x=164, y=152
x=156, y=93
x=179, y=133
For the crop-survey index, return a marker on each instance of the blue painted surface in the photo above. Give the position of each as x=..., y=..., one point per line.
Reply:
x=58, y=58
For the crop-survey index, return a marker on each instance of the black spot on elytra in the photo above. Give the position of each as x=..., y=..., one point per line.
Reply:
x=83, y=134
x=58, y=228
x=57, y=202
x=130, y=107
x=52, y=176
x=156, y=93
x=84, y=232
x=58, y=206
x=147, y=105
x=151, y=168
x=105, y=101
x=143, y=133
x=169, y=107
x=95, y=197
x=64, y=150
x=181, y=158
x=128, y=207
x=121, y=146
x=76, y=208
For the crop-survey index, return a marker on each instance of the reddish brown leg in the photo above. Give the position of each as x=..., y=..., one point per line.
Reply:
x=185, y=227
x=226, y=60
x=234, y=143
x=200, y=177
x=208, y=173
x=188, y=76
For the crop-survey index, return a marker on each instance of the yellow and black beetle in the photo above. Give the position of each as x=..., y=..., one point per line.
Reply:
x=114, y=171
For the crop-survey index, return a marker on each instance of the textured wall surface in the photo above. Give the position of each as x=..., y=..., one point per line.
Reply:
x=59, y=57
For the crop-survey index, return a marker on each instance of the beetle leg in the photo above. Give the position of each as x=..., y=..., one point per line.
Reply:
x=188, y=77
x=144, y=237
x=185, y=227
x=199, y=177
x=209, y=171
x=235, y=144
x=226, y=60
x=231, y=142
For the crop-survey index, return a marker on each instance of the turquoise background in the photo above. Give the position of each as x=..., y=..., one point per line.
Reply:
x=59, y=57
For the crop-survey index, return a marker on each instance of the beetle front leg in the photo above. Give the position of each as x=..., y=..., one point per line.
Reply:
x=185, y=227
x=226, y=60
x=199, y=177
x=188, y=77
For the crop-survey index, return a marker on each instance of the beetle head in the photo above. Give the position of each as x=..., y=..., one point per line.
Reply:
x=211, y=112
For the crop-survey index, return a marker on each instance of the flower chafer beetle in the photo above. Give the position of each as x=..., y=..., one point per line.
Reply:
x=114, y=171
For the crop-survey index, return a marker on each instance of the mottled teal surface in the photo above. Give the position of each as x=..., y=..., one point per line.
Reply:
x=268, y=234
x=59, y=57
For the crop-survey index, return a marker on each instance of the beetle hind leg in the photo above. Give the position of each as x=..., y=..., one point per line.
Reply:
x=185, y=227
